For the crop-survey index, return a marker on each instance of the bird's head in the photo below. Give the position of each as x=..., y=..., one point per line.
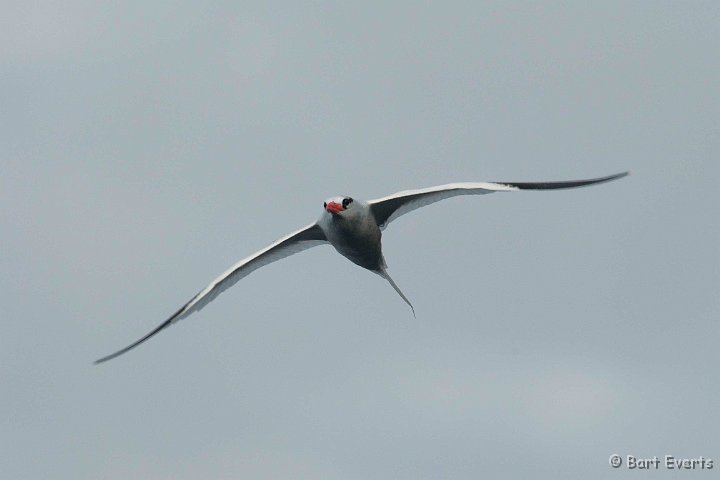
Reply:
x=337, y=205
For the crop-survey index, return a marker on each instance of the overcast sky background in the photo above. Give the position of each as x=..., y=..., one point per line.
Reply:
x=147, y=146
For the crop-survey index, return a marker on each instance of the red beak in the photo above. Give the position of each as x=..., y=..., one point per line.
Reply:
x=334, y=208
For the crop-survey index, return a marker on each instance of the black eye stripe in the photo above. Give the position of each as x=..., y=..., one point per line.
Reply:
x=346, y=201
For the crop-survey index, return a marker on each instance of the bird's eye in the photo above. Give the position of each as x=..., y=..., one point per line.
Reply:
x=346, y=201
x=324, y=204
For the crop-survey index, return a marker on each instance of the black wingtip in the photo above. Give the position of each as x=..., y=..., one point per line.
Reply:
x=564, y=184
x=160, y=327
x=131, y=346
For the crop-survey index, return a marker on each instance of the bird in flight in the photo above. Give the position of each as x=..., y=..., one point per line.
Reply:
x=354, y=227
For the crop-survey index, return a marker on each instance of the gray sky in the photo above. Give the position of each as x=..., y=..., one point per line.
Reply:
x=147, y=146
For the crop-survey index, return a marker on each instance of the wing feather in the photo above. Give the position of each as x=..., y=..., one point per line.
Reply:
x=387, y=209
x=294, y=242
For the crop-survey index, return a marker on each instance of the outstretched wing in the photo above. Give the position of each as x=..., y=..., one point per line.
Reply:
x=389, y=208
x=295, y=242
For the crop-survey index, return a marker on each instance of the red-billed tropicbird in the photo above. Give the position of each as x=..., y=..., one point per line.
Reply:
x=354, y=228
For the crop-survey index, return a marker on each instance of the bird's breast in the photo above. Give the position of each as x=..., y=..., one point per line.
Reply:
x=359, y=243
